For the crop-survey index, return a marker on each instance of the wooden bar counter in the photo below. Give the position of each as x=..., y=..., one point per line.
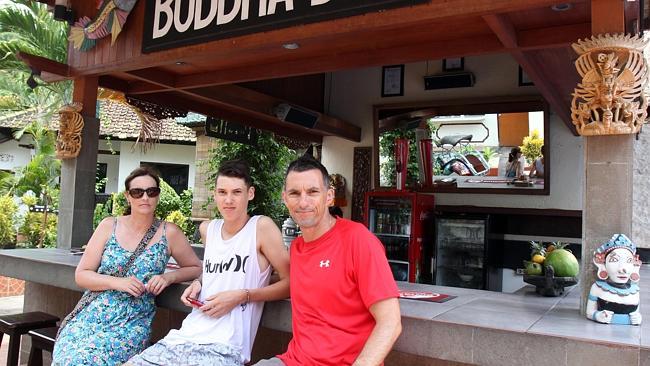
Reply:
x=475, y=327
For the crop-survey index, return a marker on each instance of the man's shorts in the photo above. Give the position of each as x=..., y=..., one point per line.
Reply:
x=190, y=354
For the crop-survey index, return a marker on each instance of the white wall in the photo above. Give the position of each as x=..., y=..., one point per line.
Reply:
x=13, y=156
x=354, y=92
x=455, y=125
x=118, y=165
x=112, y=172
x=161, y=153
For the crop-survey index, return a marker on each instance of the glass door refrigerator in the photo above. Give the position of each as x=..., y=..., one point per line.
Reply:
x=460, y=251
x=402, y=221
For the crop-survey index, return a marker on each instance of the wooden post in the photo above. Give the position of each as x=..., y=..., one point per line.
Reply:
x=77, y=201
x=609, y=162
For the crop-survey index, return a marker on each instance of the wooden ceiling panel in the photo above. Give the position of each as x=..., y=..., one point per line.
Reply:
x=546, y=17
x=331, y=44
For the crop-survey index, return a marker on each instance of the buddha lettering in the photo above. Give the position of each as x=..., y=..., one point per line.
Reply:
x=614, y=298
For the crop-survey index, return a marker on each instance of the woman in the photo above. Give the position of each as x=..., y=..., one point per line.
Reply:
x=514, y=168
x=537, y=169
x=116, y=324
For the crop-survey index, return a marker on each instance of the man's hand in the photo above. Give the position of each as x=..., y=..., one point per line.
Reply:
x=193, y=291
x=222, y=303
x=130, y=285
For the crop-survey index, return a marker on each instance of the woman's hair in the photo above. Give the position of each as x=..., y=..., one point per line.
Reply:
x=513, y=154
x=140, y=172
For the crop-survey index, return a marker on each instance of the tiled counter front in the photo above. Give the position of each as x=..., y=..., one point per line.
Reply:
x=476, y=327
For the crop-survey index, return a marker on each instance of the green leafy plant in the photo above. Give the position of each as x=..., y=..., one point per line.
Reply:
x=35, y=236
x=387, y=157
x=178, y=218
x=119, y=204
x=102, y=211
x=268, y=160
x=7, y=231
x=531, y=147
x=169, y=200
x=488, y=153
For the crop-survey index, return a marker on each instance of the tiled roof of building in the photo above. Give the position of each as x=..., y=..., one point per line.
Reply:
x=116, y=120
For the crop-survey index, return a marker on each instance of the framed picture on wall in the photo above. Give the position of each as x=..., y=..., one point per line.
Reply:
x=524, y=80
x=392, y=81
x=453, y=64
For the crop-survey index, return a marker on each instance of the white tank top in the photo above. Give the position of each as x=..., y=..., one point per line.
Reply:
x=227, y=265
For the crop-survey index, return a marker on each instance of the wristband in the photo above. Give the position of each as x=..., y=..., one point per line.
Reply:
x=248, y=298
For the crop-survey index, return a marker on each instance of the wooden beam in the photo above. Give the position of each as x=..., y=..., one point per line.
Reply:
x=113, y=83
x=503, y=28
x=607, y=16
x=507, y=34
x=245, y=101
x=552, y=37
x=263, y=104
x=213, y=108
x=155, y=76
x=45, y=65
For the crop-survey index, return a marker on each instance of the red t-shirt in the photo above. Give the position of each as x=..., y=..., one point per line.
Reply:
x=334, y=281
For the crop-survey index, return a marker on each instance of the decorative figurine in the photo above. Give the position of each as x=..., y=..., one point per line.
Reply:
x=611, y=98
x=614, y=298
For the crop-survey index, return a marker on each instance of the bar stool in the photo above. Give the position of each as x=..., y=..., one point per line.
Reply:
x=42, y=339
x=16, y=325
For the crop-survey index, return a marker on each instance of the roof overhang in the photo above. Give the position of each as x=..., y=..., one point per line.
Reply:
x=201, y=77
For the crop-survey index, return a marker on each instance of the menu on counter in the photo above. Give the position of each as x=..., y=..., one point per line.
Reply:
x=424, y=296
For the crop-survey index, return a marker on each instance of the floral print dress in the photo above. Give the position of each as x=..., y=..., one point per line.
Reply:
x=115, y=326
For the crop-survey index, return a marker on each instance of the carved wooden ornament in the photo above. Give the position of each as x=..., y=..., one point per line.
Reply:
x=68, y=142
x=611, y=99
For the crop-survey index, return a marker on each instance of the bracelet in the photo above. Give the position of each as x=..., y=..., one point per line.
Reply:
x=248, y=299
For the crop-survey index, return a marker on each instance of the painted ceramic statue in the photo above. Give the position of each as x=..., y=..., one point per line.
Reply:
x=614, y=298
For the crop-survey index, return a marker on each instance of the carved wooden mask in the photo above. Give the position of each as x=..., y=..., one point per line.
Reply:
x=611, y=98
x=68, y=142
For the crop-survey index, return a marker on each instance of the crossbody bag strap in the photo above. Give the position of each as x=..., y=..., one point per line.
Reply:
x=90, y=296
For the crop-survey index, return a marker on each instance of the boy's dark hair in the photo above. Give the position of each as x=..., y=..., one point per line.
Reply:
x=305, y=163
x=236, y=169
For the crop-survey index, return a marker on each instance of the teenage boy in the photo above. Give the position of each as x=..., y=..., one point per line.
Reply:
x=240, y=254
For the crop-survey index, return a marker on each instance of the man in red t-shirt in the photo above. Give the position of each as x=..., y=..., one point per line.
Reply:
x=343, y=296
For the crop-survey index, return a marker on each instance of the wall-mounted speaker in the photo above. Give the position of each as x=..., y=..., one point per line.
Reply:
x=447, y=81
x=293, y=114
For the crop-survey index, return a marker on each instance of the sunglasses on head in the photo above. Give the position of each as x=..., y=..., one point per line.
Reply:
x=139, y=192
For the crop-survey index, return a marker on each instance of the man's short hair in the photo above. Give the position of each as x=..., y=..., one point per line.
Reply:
x=305, y=163
x=236, y=169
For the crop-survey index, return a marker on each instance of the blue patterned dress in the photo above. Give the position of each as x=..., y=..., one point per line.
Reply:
x=115, y=326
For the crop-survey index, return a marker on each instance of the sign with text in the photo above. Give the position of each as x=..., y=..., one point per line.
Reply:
x=175, y=23
x=231, y=131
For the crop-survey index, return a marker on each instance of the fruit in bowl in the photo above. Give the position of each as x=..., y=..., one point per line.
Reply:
x=533, y=268
x=564, y=263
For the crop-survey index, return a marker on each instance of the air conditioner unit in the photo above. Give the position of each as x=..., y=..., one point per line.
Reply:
x=297, y=115
x=447, y=81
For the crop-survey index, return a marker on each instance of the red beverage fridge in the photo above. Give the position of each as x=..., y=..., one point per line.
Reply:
x=403, y=222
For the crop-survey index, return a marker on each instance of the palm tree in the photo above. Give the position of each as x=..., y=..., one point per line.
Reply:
x=27, y=26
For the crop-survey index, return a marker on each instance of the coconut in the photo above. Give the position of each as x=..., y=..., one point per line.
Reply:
x=564, y=263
